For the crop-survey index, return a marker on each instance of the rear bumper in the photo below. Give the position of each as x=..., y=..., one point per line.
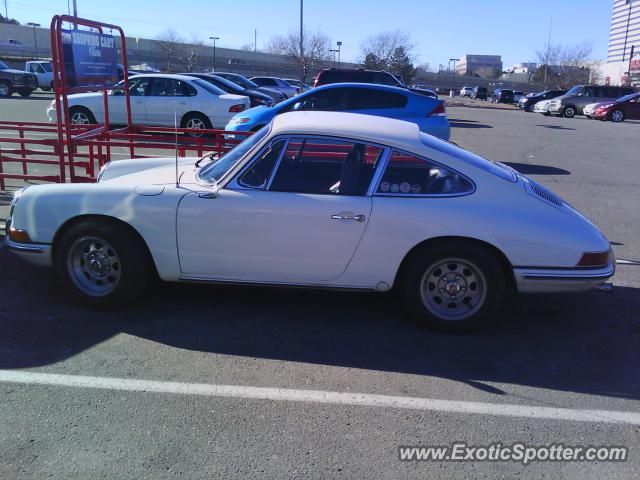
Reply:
x=549, y=280
x=38, y=254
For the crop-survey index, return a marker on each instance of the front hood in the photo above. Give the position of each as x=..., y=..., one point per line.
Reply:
x=15, y=72
x=150, y=171
x=254, y=112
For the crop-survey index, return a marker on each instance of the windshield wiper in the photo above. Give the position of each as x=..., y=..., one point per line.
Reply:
x=210, y=157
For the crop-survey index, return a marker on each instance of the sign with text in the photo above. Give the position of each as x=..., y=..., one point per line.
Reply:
x=90, y=59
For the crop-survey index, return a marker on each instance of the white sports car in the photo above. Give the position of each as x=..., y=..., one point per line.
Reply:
x=321, y=199
x=157, y=99
x=542, y=107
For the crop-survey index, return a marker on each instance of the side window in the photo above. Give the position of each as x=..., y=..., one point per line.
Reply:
x=331, y=100
x=384, y=79
x=138, y=87
x=364, y=99
x=160, y=87
x=326, y=166
x=186, y=90
x=265, y=82
x=407, y=174
x=587, y=92
x=258, y=175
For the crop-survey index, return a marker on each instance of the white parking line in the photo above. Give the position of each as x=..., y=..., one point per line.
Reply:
x=319, y=396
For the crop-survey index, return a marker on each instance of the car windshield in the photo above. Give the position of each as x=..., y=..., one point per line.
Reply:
x=575, y=90
x=495, y=168
x=241, y=81
x=627, y=97
x=208, y=86
x=3, y=66
x=215, y=170
x=47, y=67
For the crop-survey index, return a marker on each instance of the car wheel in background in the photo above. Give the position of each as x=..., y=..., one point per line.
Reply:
x=103, y=263
x=453, y=287
x=5, y=89
x=617, y=116
x=81, y=116
x=195, y=121
x=569, y=111
x=26, y=92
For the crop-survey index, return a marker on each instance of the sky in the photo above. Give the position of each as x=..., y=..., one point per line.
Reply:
x=441, y=29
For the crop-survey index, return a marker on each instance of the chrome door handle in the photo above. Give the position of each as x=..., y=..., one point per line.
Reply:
x=357, y=218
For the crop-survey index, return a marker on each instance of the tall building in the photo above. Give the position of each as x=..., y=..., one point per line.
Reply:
x=624, y=38
x=482, y=65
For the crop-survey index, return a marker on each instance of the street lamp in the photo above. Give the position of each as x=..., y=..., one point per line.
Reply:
x=214, y=51
x=35, y=39
x=302, y=66
x=453, y=72
x=339, y=48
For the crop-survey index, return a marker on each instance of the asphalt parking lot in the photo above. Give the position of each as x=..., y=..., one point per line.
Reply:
x=222, y=382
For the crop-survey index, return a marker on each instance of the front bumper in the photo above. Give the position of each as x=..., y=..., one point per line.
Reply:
x=550, y=280
x=555, y=109
x=38, y=254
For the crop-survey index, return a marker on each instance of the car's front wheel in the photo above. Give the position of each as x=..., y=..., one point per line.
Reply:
x=81, y=116
x=569, y=111
x=617, y=116
x=25, y=92
x=194, y=122
x=103, y=263
x=453, y=286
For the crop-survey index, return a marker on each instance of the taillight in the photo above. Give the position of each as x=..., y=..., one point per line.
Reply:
x=594, y=259
x=236, y=108
x=439, y=111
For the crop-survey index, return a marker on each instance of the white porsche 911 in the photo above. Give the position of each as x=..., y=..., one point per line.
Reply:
x=319, y=199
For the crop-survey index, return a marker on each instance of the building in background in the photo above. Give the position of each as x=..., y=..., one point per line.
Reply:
x=624, y=41
x=523, y=68
x=485, y=66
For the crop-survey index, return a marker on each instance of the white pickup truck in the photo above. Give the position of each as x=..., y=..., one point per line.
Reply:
x=43, y=70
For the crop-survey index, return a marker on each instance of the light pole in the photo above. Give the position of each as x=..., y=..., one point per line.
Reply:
x=339, y=48
x=453, y=72
x=334, y=56
x=214, y=51
x=6, y=13
x=301, y=41
x=35, y=38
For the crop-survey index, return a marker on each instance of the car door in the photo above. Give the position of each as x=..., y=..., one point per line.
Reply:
x=294, y=215
x=632, y=108
x=166, y=102
x=118, y=107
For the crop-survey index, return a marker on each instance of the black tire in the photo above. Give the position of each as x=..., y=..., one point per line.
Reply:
x=569, y=111
x=82, y=111
x=489, y=280
x=617, y=116
x=25, y=92
x=195, y=118
x=133, y=268
x=47, y=89
x=6, y=89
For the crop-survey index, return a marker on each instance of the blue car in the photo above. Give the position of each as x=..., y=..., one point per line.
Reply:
x=385, y=101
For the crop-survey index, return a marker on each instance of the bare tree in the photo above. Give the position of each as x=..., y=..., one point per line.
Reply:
x=316, y=48
x=181, y=53
x=383, y=45
x=563, y=66
x=193, y=53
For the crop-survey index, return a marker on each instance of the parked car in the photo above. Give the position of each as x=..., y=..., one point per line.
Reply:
x=277, y=84
x=501, y=95
x=43, y=70
x=527, y=103
x=619, y=110
x=303, y=87
x=479, y=93
x=589, y=109
x=466, y=91
x=244, y=82
x=573, y=102
x=542, y=107
x=256, y=98
x=360, y=75
x=157, y=99
x=325, y=199
x=379, y=100
x=12, y=80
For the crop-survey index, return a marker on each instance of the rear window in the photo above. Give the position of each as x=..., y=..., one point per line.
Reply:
x=356, y=76
x=365, y=98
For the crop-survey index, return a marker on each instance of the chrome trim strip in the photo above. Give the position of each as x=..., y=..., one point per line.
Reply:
x=24, y=248
x=224, y=281
x=570, y=274
x=278, y=162
x=380, y=168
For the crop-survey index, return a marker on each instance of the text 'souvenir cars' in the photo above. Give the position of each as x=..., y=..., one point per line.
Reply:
x=321, y=199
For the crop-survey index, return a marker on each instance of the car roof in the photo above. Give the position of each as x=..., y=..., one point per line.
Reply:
x=163, y=75
x=374, y=86
x=386, y=131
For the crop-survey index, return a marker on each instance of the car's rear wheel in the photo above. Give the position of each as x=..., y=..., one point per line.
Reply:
x=569, y=111
x=5, y=89
x=81, y=116
x=25, y=92
x=195, y=121
x=454, y=286
x=102, y=262
x=617, y=116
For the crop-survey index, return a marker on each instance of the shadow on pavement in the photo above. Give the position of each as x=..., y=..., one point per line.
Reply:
x=455, y=123
x=533, y=169
x=556, y=127
x=587, y=343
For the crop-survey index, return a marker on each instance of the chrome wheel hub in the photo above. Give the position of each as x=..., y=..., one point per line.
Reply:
x=453, y=289
x=94, y=266
x=4, y=90
x=79, y=119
